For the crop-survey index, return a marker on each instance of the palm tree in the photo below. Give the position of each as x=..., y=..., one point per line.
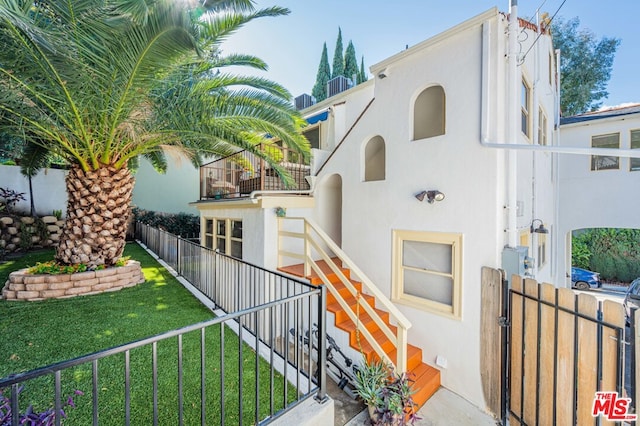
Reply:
x=102, y=82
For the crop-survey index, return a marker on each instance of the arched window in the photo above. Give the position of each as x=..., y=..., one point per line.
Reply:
x=429, y=113
x=374, y=159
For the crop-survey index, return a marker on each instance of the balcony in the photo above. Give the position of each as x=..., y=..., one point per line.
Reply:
x=240, y=174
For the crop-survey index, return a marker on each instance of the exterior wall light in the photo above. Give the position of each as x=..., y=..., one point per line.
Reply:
x=431, y=196
x=540, y=229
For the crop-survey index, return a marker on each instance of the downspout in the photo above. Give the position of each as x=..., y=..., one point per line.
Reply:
x=555, y=237
x=512, y=158
x=535, y=110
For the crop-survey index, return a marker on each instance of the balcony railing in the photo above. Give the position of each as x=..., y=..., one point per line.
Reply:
x=240, y=174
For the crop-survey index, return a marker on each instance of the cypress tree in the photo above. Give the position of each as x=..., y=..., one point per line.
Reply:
x=324, y=73
x=338, y=61
x=351, y=63
x=362, y=74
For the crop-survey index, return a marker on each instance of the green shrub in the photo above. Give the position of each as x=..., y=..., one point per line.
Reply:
x=623, y=270
x=25, y=236
x=53, y=268
x=183, y=224
x=580, y=252
x=613, y=252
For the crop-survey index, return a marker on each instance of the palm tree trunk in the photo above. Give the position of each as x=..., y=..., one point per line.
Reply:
x=97, y=213
x=33, y=208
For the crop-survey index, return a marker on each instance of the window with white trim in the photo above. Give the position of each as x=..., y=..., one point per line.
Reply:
x=634, y=163
x=605, y=162
x=525, y=108
x=312, y=134
x=224, y=235
x=428, y=271
x=542, y=250
x=542, y=127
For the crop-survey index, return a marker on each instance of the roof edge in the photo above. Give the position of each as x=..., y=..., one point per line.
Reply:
x=471, y=22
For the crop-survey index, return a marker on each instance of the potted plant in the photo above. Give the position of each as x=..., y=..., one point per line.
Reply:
x=387, y=394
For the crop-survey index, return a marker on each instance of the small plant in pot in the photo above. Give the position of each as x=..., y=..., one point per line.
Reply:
x=388, y=395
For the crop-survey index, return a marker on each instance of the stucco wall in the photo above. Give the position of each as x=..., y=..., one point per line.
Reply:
x=472, y=177
x=49, y=191
x=170, y=192
x=372, y=210
x=592, y=199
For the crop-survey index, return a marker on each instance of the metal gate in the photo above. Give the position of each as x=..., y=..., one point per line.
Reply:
x=557, y=349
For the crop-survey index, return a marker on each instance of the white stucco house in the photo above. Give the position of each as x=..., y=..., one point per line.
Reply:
x=418, y=178
x=598, y=191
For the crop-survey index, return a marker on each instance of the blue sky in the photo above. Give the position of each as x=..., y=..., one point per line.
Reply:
x=291, y=45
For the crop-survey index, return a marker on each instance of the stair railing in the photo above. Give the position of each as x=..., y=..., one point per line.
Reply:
x=319, y=246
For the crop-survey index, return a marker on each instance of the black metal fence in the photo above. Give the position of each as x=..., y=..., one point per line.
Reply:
x=239, y=368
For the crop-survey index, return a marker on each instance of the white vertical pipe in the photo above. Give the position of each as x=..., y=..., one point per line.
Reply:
x=555, y=236
x=514, y=114
x=535, y=136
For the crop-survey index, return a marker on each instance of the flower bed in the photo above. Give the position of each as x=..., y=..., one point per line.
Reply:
x=24, y=286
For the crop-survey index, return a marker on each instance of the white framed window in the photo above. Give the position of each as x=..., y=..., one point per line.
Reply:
x=542, y=250
x=224, y=235
x=542, y=127
x=312, y=134
x=605, y=162
x=525, y=108
x=634, y=163
x=427, y=270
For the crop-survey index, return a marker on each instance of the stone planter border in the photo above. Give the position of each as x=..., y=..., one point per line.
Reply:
x=30, y=287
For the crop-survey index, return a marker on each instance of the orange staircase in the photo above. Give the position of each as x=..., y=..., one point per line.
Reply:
x=426, y=378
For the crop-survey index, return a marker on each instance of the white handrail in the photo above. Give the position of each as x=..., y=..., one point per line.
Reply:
x=402, y=323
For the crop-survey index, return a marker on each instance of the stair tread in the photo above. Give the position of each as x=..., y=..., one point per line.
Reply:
x=298, y=270
x=426, y=381
x=352, y=301
x=364, y=316
x=426, y=378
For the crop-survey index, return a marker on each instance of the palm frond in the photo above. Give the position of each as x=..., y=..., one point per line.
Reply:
x=33, y=159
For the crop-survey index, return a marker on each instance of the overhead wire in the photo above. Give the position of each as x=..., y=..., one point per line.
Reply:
x=540, y=32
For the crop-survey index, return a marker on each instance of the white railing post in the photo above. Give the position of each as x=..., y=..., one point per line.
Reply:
x=401, y=362
x=307, y=248
x=279, y=248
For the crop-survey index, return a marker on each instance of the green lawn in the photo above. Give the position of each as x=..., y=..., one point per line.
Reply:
x=35, y=334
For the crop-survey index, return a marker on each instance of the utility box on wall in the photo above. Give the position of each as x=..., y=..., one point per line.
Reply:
x=515, y=260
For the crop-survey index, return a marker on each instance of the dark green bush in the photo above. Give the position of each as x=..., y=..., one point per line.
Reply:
x=580, y=251
x=614, y=253
x=183, y=224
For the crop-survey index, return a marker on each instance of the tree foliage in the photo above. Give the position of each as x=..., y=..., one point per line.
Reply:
x=101, y=82
x=345, y=66
x=324, y=75
x=351, y=63
x=362, y=74
x=585, y=66
x=613, y=252
x=338, y=59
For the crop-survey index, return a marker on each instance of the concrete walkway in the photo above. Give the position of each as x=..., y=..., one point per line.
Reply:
x=445, y=408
